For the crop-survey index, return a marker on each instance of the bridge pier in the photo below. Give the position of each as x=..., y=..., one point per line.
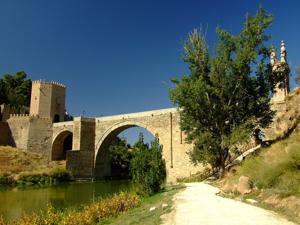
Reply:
x=81, y=159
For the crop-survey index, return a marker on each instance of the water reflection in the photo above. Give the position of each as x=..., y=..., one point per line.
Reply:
x=15, y=202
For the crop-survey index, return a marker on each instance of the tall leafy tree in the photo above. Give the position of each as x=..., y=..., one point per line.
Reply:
x=147, y=167
x=226, y=95
x=120, y=154
x=15, y=90
x=3, y=98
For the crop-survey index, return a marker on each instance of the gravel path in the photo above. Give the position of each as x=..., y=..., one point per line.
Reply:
x=199, y=204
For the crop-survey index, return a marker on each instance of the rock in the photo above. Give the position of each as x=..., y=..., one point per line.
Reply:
x=234, y=189
x=227, y=188
x=244, y=185
x=252, y=201
x=152, y=209
x=164, y=205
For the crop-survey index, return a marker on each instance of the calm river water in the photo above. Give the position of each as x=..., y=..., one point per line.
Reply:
x=14, y=202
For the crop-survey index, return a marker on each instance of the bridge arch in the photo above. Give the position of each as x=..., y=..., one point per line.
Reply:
x=101, y=159
x=62, y=143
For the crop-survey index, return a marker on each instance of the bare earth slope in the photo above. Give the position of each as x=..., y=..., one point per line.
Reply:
x=199, y=204
x=15, y=161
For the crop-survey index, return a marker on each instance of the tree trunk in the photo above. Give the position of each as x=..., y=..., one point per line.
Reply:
x=222, y=165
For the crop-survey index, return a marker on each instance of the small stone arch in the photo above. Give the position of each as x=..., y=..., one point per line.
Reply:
x=101, y=161
x=61, y=144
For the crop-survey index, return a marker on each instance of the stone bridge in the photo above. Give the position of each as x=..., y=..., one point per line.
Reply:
x=84, y=142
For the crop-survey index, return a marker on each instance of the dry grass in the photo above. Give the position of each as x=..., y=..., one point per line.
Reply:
x=90, y=214
x=275, y=171
x=18, y=167
x=276, y=167
x=16, y=162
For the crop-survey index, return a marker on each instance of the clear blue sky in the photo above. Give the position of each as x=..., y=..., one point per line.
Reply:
x=118, y=56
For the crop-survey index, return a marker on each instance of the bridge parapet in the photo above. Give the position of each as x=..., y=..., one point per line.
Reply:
x=136, y=115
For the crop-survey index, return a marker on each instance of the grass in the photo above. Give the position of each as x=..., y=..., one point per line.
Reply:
x=275, y=172
x=276, y=167
x=28, y=168
x=142, y=215
x=90, y=214
x=122, y=208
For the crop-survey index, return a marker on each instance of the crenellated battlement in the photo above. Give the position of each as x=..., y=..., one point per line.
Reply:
x=48, y=99
x=49, y=83
x=27, y=116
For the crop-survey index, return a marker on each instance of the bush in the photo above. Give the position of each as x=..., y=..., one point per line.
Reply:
x=90, y=214
x=104, y=208
x=148, y=169
x=32, y=179
x=6, y=180
x=61, y=174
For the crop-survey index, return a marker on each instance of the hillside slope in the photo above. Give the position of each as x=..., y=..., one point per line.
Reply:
x=274, y=176
x=15, y=162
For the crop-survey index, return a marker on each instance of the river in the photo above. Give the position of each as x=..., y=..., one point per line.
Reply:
x=16, y=201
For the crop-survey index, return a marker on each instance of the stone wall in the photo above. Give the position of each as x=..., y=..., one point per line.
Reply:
x=31, y=133
x=47, y=99
x=164, y=123
x=40, y=135
x=40, y=103
x=5, y=135
x=19, y=128
x=84, y=134
x=6, y=111
x=92, y=136
x=80, y=163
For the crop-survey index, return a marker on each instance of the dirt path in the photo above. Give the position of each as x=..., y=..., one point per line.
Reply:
x=199, y=204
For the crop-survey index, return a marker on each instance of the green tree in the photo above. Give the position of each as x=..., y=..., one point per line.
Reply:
x=226, y=95
x=140, y=145
x=120, y=154
x=3, y=98
x=148, y=168
x=15, y=90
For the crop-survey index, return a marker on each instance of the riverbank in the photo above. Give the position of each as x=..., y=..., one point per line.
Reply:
x=151, y=209
x=18, y=167
x=123, y=208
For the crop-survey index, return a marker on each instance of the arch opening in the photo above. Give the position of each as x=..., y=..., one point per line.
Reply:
x=107, y=159
x=62, y=143
x=56, y=118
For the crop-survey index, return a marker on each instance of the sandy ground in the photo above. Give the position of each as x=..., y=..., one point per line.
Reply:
x=199, y=204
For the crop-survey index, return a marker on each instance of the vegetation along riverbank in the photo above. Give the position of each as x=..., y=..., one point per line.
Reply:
x=18, y=167
x=109, y=210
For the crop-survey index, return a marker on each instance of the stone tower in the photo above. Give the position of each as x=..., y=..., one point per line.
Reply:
x=281, y=68
x=48, y=100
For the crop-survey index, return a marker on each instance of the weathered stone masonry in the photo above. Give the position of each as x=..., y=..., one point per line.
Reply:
x=84, y=142
x=87, y=154
x=92, y=158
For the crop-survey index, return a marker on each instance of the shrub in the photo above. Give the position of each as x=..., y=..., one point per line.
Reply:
x=32, y=179
x=104, y=208
x=2, y=221
x=61, y=174
x=6, y=180
x=90, y=214
x=148, y=169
